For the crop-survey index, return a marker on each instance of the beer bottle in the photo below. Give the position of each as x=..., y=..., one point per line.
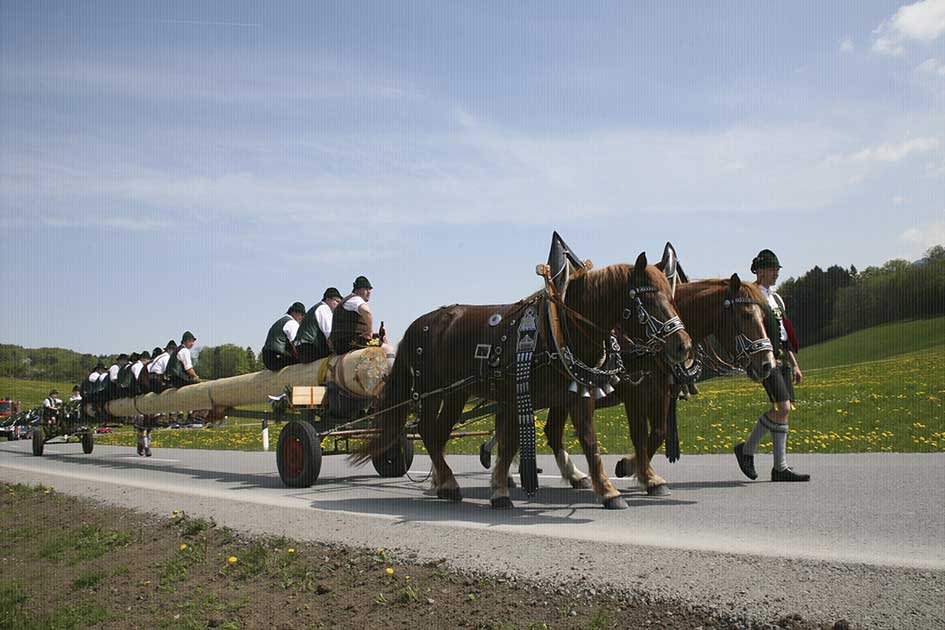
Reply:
x=381, y=333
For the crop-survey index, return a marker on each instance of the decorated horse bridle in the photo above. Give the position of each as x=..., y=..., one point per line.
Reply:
x=745, y=347
x=656, y=331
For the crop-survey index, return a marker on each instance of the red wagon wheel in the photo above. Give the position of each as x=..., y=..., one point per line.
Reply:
x=299, y=454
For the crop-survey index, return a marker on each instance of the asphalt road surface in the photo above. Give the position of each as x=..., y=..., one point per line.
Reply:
x=863, y=541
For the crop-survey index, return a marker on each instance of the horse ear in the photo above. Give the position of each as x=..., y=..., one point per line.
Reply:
x=639, y=270
x=734, y=284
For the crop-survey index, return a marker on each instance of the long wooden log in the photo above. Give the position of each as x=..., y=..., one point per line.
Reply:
x=360, y=373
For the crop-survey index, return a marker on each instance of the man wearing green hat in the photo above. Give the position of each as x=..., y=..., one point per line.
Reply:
x=352, y=323
x=315, y=328
x=279, y=349
x=780, y=383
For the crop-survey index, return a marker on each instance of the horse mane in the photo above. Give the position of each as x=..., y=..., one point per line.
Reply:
x=599, y=290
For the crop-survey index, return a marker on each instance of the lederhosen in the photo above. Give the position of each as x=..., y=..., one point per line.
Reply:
x=155, y=380
x=311, y=340
x=350, y=330
x=780, y=382
x=275, y=352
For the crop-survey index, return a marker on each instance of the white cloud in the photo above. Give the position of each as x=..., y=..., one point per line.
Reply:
x=894, y=152
x=931, y=66
x=898, y=200
x=926, y=235
x=846, y=45
x=923, y=21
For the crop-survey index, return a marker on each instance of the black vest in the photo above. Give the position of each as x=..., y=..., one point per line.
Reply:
x=175, y=369
x=276, y=341
x=310, y=332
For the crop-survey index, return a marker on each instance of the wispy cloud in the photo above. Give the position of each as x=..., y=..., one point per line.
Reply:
x=890, y=151
x=923, y=21
x=931, y=66
x=927, y=235
x=847, y=44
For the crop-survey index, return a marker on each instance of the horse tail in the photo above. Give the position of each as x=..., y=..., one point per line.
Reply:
x=396, y=393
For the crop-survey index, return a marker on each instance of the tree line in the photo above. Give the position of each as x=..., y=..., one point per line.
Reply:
x=836, y=302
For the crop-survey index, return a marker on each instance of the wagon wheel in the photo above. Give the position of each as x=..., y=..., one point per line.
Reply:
x=298, y=454
x=39, y=441
x=88, y=442
x=395, y=461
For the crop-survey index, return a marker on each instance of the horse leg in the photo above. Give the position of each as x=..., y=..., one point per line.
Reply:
x=506, y=431
x=582, y=414
x=656, y=485
x=554, y=433
x=636, y=417
x=447, y=486
x=434, y=437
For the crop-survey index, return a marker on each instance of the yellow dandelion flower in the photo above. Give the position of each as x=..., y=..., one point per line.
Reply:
x=183, y=546
x=232, y=559
x=390, y=571
x=291, y=550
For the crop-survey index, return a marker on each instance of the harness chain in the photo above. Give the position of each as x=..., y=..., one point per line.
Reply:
x=527, y=340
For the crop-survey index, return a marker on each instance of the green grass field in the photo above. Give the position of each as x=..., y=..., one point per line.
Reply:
x=878, y=390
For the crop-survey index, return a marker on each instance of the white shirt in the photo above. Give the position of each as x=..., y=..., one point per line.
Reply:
x=354, y=303
x=74, y=397
x=323, y=317
x=52, y=403
x=94, y=377
x=773, y=303
x=113, y=373
x=184, y=355
x=136, y=369
x=159, y=364
x=291, y=329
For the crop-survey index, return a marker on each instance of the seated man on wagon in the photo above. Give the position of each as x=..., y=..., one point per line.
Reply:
x=279, y=350
x=91, y=387
x=180, y=365
x=352, y=323
x=157, y=368
x=315, y=328
x=112, y=387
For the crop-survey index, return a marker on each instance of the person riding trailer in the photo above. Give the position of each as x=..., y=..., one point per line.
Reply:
x=780, y=382
x=353, y=324
x=279, y=349
x=112, y=386
x=315, y=328
x=157, y=368
x=91, y=387
x=180, y=366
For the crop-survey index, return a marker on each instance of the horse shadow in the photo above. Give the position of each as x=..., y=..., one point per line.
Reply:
x=244, y=481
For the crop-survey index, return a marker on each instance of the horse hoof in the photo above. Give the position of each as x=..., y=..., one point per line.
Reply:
x=450, y=494
x=658, y=491
x=502, y=503
x=581, y=484
x=511, y=483
x=615, y=503
x=621, y=469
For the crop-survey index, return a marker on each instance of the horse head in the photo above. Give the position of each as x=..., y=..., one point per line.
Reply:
x=742, y=330
x=651, y=313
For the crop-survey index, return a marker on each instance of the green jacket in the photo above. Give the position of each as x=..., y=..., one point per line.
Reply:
x=276, y=341
x=309, y=332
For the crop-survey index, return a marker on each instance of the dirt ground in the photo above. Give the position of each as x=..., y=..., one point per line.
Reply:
x=68, y=563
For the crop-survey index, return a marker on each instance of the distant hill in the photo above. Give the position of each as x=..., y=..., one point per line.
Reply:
x=878, y=342
x=45, y=364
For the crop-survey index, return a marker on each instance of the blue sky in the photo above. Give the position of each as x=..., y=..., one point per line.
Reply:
x=179, y=165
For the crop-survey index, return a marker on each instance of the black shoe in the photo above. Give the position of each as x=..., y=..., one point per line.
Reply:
x=745, y=462
x=147, y=451
x=787, y=475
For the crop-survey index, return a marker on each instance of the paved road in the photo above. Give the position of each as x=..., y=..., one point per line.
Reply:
x=862, y=541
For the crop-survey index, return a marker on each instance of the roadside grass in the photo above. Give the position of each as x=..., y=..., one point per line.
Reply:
x=31, y=393
x=878, y=342
x=181, y=573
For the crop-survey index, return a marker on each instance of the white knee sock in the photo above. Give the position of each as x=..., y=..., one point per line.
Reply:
x=779, y=437
x=761, y=429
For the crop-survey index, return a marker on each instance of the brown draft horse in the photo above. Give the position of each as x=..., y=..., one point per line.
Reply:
x=439, y=349
x=730, y=310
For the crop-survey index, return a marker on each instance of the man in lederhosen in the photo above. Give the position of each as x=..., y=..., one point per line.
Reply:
x=315, y=328
x=780, y=383
x=279, y=349
x=157, y=368
x=352, y=323
x=142, y=385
